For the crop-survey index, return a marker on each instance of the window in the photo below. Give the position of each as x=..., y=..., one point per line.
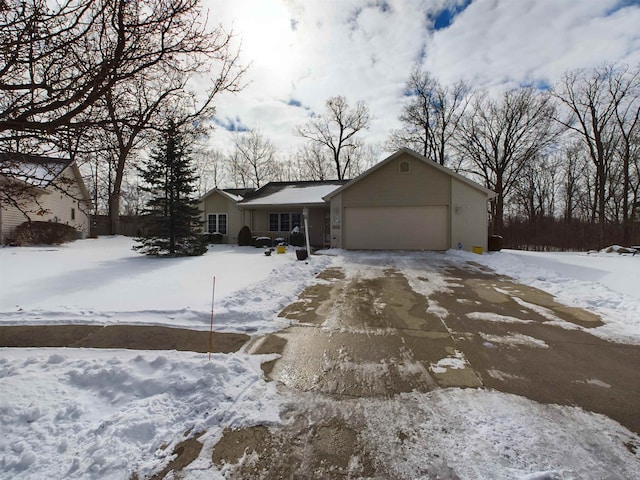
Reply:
x=404, y=167
x=296, y=220
x=284, y=222
x=274, y=223
x=217, y=222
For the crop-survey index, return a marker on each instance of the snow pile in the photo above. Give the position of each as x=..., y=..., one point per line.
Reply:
x=107, y=414
x=618, y=249
x=471, y=434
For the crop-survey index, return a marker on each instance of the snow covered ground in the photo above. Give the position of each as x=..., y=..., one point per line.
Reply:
x=603, y=283
x=103, y=281
x=88, y=413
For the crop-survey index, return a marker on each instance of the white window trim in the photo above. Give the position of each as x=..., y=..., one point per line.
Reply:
x=217, y=223
x=291, y=225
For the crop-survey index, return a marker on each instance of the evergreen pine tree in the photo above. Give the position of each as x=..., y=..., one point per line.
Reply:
x=174, y=226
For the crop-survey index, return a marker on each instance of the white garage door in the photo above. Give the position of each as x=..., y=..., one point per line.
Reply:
x=396, y=228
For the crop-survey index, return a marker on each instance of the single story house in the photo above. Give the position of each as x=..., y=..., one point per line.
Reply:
x=405, y=202
x=38, y=188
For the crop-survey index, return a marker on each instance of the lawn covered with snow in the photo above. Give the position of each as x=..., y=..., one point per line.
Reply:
x=102, y=281
x=89, y=413
x=600, y=282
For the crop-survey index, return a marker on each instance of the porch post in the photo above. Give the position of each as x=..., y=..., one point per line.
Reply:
x=305, y=214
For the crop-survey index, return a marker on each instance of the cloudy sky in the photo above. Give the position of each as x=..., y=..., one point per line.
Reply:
x=305, y=51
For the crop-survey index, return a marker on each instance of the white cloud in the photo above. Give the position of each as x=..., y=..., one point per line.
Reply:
x=494, y=42
x=309, y=51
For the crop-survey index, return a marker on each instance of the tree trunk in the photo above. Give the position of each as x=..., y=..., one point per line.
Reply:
x=114, y=213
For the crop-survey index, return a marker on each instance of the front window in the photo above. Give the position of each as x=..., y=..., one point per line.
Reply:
x=296, y=220
x=274, y=222
x=217, y=222
x=284, y=222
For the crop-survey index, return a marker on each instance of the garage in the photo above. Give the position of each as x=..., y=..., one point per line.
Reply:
x=408, y=202
x=396, y=227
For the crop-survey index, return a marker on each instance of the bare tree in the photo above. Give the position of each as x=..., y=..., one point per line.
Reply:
x=209, y=165
x=592, y=115
x=624, y=89
x=313, y=162
x=336, y=131
x=113, y=64
x=254, y=159
x=431, y=116
x=575, y=170
x=535, y=191
x=499, y=137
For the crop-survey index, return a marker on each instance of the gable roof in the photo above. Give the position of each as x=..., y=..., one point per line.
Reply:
x=417, y=156
x=34, y=170
x=292, y=193
x=234, y=194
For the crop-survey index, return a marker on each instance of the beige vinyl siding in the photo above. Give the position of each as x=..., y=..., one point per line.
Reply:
x=217, y=203
x=394, y=208
x=57, y=206
x=387, y=186
x=396, y=228
x=10, y=217
x=469, y=217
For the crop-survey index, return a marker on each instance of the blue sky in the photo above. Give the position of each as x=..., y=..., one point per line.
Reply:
x=305, y=51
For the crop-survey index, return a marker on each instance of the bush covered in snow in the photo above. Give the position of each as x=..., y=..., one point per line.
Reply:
x=262, y=242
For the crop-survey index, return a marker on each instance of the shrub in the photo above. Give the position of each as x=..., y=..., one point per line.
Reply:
x=44, y=233
x=216, y=237
x=244, y=236
x=262, y=242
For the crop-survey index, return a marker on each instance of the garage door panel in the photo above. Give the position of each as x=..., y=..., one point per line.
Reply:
x=396, y=228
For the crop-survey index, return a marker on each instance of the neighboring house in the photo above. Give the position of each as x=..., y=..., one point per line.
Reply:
x=41, y=189
x=407, y=202
x=221, y=214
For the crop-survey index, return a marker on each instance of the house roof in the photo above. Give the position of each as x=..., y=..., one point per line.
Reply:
x=35, y=170
x=292, y=193
x=235, y=194
x=40, y=172
x=402, y=151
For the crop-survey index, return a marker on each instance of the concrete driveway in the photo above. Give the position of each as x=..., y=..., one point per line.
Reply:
x=389, y=325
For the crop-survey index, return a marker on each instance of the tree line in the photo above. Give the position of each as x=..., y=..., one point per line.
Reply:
x=100, y=81
x=556, y=156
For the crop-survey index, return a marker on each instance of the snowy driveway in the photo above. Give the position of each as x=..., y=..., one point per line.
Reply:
x=381, y=329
